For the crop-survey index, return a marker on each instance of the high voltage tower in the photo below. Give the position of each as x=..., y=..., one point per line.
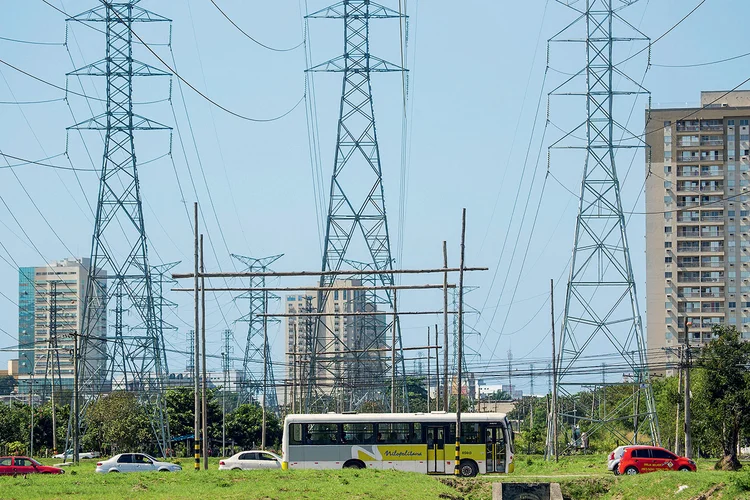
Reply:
x=257, y=365
x=357, y=226
x=601, y=307
x=120, y=273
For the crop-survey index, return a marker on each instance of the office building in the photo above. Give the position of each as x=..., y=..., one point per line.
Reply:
x=337, y=334
x=51, y=308
x=698, y=222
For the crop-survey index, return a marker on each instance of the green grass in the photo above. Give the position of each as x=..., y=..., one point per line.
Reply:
x=581, y=477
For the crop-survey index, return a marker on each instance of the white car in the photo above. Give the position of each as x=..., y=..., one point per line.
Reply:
x=82, y=455
x=135, y=462
x=614, y=460
x=247, y=460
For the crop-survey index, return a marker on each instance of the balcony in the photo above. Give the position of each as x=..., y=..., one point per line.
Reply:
x=688, y=264
x=688, y=234
x=692, y=218
x=712, y=142
x=712, y=189
x=715, y=265
x=709, y=234
x=719, y=249
x=715, y=309
x=688, y=127
x=688, y=159
x=711, y=218
x=712, y=279
x=712, y=173
x=692, y=249
x=707, y=158
x=688, y=204
x=711, y=126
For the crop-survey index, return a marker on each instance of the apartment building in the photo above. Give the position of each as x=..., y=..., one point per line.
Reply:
x=338, y=335
x=698, y=222
x=50, y=312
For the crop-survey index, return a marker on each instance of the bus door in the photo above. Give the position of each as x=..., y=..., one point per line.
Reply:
x=494, y=439
x=435, y=450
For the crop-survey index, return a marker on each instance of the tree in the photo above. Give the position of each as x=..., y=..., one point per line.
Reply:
x=499, y=395
x=7, y=383
x=725, y=360
x=244, y=425
x=181, y=412
x=119, y=421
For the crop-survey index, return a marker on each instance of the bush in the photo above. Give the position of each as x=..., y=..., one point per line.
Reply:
x=16, y=448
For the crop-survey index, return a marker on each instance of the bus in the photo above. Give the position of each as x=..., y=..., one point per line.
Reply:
x=417, y=442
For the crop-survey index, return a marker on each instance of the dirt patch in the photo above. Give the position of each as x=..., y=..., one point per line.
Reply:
x=469, y=488
x=709, y=494
x=589, y=489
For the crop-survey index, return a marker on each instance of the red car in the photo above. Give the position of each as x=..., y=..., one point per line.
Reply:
x=641, y=459
x=11, y=466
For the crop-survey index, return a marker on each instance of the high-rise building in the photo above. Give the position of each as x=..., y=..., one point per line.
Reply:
x=342, y=339
x=698, y=222
x=50, y=312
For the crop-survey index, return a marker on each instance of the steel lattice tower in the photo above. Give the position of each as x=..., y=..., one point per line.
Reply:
x=251, y=385
x=356, y=199
x=601, y=308
x=119, y=252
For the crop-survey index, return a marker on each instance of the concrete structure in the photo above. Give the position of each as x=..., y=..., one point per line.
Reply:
x=341, y=332
x=50, y=300
x=698, y=227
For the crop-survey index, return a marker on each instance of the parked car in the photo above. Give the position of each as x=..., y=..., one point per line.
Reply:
x=135, y=462
x=641, y=459
x=614, y=460
x=11, y=466
x=82, y=455
x=254, y=459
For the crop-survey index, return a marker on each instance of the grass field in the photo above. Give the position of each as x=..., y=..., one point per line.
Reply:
x=582, y=478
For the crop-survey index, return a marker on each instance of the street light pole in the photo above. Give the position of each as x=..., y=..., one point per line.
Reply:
x=688, y=437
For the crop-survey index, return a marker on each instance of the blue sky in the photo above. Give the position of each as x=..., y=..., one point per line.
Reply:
x=477, y=69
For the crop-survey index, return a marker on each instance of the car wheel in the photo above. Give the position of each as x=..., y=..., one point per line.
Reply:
x=468, y=468
x=616, y=470
x=631, y=471
x=237, y=468
x=114, y=470
x=684, y=468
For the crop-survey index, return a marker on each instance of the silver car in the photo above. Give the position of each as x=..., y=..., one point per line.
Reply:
x=614, y=460
x=135, y=462
x=247, y=460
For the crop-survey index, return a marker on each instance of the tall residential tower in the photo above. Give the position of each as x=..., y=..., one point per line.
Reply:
x=698, y=222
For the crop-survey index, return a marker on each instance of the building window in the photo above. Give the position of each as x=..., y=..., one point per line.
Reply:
x=732, y=305
x=730, y=122
x=743, y=122
x=667, y=244
x=667, y=229
x=668, y=275
x=667, y=123
x=667, y=260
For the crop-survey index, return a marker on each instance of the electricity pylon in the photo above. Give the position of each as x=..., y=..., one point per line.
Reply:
x=257, y=359
x=601, y=307
x=356, y=199
x=119, y=251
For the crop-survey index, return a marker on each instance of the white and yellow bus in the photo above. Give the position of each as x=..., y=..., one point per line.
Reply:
x=418, y=442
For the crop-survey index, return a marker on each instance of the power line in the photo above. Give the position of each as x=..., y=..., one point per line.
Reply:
x=31, y=42
x=708, y=63
x=250, y=37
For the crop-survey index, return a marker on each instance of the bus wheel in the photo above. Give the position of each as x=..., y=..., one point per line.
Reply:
x=468, y=468
x=354, y=464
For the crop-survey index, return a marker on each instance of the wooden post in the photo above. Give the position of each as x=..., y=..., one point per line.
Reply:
x=554, y=370
x=196, y=350
x=76, y=397
x=204, y=382
x=429, y=368
x=688, y=435
x=446, y=400
x=437, y=372
x=677, y=419
x=294, y=370
x=393, y=355
x=457, y=464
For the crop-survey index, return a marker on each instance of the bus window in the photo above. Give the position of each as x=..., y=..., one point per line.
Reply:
x=295, y=434
x=321, y=434
x=393, y=433
x=470, y=433
x=358, y=433
x=416, y=435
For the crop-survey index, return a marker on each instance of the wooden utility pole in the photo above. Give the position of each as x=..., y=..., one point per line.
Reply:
x=265, y=370
x=460, y=346
x=76, y=406
x=393, y=355
x=204, y=381
x=294, y=371
x=446, y=399
x=437, y=372
x=688, y=437
x=429, y=368
x=197, y=344
x=677, y=419
x=554, y=370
